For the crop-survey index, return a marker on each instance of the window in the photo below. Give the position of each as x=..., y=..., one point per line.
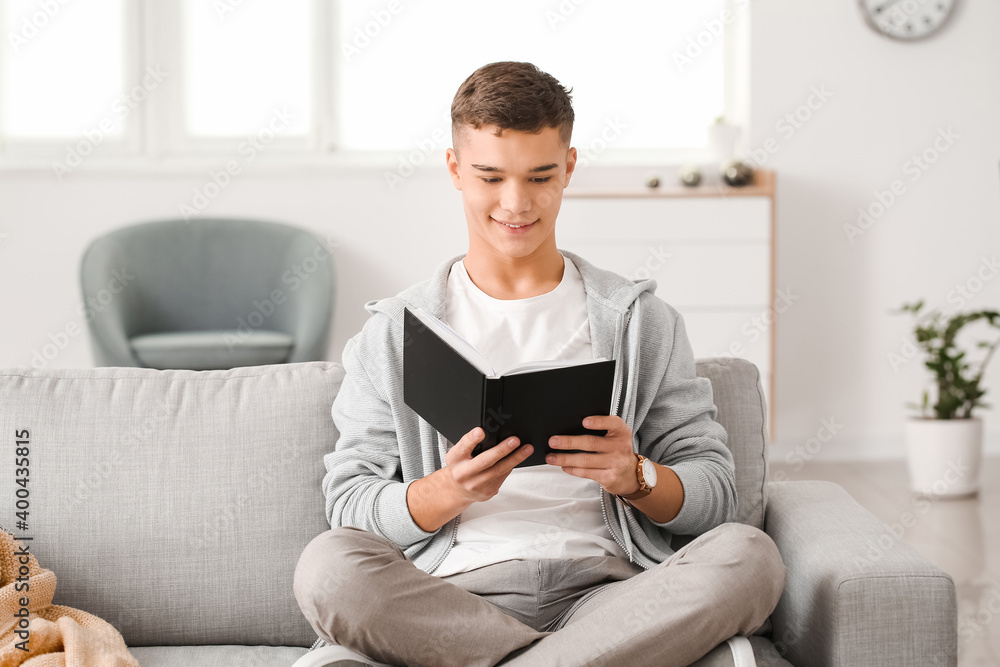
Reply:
x=240, y=67
x=617, y=57
x=329, y=77
x=62, y=71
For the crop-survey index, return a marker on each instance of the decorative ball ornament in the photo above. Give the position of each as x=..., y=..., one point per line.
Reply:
x=690, y=176
x=736, y=173
x=652, y=181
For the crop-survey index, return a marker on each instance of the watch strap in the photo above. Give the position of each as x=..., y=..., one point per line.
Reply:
x=644, y=488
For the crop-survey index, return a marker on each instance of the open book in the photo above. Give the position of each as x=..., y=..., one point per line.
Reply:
x=449, y=383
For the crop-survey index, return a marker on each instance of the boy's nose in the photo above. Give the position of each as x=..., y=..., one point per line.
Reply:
x=515, y=199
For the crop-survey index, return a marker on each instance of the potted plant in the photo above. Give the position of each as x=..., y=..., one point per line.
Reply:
x=944, y=442
x=722, y=138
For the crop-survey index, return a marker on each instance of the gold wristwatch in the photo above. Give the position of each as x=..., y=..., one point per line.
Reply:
x=645, y=472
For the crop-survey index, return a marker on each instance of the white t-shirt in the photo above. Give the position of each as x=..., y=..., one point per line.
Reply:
x=540, y=511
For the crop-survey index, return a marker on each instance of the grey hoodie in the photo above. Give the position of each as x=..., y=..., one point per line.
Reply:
x=384, y=445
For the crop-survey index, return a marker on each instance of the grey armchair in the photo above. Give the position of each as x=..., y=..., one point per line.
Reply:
x=207, y=294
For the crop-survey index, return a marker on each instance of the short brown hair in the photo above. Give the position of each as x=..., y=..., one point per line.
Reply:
x=513, y=96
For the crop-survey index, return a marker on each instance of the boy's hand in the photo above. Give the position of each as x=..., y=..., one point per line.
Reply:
x=475, y=479
x=607, y=460
x=439, y=497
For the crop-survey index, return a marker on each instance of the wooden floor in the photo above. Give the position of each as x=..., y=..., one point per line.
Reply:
x=962, y=537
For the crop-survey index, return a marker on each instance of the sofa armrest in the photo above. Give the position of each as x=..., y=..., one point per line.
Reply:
x=855, y=593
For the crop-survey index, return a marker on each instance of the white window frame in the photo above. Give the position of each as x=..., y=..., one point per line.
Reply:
x=154, y=139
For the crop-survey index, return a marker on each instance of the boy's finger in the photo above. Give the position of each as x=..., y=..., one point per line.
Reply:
x=468, y=442
x=517, y=457
x=493, y=455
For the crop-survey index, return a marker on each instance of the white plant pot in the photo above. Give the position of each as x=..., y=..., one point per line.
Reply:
x=722, y=140
x=943, y=456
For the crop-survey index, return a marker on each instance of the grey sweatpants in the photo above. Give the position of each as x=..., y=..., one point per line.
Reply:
x=358, y=590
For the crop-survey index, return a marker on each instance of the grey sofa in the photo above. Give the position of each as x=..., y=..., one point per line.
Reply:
x=174, y=504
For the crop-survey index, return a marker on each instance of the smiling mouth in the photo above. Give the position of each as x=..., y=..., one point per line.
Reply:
x=512, y=225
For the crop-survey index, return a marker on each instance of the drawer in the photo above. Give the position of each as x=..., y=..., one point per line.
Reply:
x=741, y=334
x=730, y=275
x=611, y=220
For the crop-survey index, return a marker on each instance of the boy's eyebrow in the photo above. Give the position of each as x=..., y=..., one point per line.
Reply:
x=498, y=170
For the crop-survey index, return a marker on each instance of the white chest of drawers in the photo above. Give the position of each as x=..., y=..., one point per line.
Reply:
x=710, y=250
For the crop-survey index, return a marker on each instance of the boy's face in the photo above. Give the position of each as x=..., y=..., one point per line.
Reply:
x=516, y=178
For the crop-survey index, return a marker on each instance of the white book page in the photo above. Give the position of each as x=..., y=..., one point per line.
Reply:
x=529, y=366
x=455, y=340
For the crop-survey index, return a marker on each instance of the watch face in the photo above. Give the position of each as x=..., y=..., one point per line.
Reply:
x=907, y=19
x=649, y=473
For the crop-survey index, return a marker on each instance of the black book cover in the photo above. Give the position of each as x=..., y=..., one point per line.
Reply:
x=454, y=396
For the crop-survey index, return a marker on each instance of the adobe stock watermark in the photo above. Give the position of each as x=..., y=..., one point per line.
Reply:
x=959, y=297
x=407, y=164
x=610, y=133
x=655, y=260
x=699, y=43
x=219, y=180
x=562, y=12
x=121, y=107
x=87, y=486
x=969, y=626
x=223, y=518
x=364, y=34
x=94, y=305
x=807, y=451
x=638, y=617
x=876, y=548
x=225, y=7
x=915, y=167
x=966, y=291
x=788, y=125
x=902, y=12
x=792, y=635
x=295, y=276
x=757, y=325
x=33, y=24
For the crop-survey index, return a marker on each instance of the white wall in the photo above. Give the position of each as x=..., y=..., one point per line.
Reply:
x=888, y=101
x=381, y=240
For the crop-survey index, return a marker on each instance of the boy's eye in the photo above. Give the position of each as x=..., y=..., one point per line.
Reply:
x=540, y=179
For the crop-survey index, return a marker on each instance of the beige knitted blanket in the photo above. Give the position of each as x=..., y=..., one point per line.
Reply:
x=57, y=636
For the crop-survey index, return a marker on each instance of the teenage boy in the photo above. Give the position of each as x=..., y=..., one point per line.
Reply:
x=436, y=557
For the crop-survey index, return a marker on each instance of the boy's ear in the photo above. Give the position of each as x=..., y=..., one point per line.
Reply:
x=452, y=159
x=570, y=164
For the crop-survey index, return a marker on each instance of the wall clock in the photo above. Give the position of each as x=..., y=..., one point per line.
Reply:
x=907, y=20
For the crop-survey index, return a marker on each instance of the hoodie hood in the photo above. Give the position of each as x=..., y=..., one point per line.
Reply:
x=609, y=296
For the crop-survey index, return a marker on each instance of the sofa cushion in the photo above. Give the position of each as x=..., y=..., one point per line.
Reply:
x=212, y=350
x=742, y=411
x=217, y=656
x=174, y=503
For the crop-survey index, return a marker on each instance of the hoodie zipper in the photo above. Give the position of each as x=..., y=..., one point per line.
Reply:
x=454, y=537
x=621, y=387
x=454, y=522
x=619, y=395
x=620, y=390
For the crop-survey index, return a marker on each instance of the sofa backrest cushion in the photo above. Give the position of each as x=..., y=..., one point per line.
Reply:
x=174, y=504
x=742, y=411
